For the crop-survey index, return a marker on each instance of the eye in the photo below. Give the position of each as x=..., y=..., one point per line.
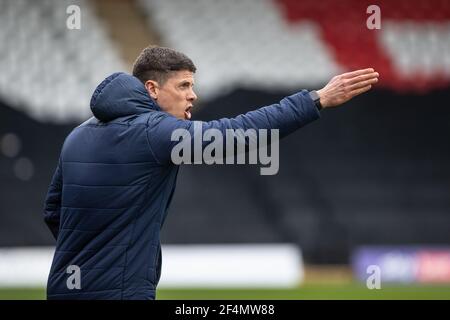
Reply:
x=186, y=85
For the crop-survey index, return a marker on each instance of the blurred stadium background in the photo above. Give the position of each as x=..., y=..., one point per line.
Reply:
x=368, y=184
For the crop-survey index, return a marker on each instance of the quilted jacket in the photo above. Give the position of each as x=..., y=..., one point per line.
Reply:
x=113, y=185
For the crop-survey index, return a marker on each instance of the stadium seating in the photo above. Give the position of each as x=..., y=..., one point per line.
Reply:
x=48, y=70
x=286, y=43
x=245, y=44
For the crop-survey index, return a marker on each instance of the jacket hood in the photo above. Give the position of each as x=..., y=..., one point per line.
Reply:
x=121, y=95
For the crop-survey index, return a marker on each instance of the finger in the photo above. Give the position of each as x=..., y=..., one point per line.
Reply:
x=360, y=90
x=362, y=84
x=357, y=73
x=363, y=77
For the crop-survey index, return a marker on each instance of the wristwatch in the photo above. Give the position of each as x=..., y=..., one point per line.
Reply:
x=315, y=97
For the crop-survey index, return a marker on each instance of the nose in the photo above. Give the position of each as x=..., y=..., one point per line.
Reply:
x=192, y=96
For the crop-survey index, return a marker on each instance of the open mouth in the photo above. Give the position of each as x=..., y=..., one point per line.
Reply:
x=187, y=113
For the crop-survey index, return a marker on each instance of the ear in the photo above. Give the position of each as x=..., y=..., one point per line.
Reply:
x=152, y=88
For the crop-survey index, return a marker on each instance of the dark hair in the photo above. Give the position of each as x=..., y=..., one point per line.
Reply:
x=156, y=63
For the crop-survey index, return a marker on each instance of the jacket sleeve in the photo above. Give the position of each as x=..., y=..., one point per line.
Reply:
x=52, y=207
x=290, y=114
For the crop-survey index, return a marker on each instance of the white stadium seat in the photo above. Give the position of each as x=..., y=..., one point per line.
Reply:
x=47, y=69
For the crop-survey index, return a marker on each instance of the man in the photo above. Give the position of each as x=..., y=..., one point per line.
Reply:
x=115, y=179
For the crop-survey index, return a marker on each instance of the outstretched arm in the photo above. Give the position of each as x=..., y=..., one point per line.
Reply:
x=288, y=115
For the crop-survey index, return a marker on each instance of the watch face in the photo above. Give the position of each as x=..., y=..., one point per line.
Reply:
x=315, y=97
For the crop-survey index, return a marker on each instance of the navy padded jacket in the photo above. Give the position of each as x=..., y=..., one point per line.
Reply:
x=114, y=182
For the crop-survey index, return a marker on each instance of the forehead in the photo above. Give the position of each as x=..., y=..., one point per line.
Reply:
x=180, y=76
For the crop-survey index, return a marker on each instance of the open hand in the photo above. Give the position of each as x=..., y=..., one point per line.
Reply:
x=343, y=87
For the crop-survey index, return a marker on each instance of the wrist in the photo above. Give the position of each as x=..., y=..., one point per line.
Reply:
x=316, y=98
x=323, y=99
